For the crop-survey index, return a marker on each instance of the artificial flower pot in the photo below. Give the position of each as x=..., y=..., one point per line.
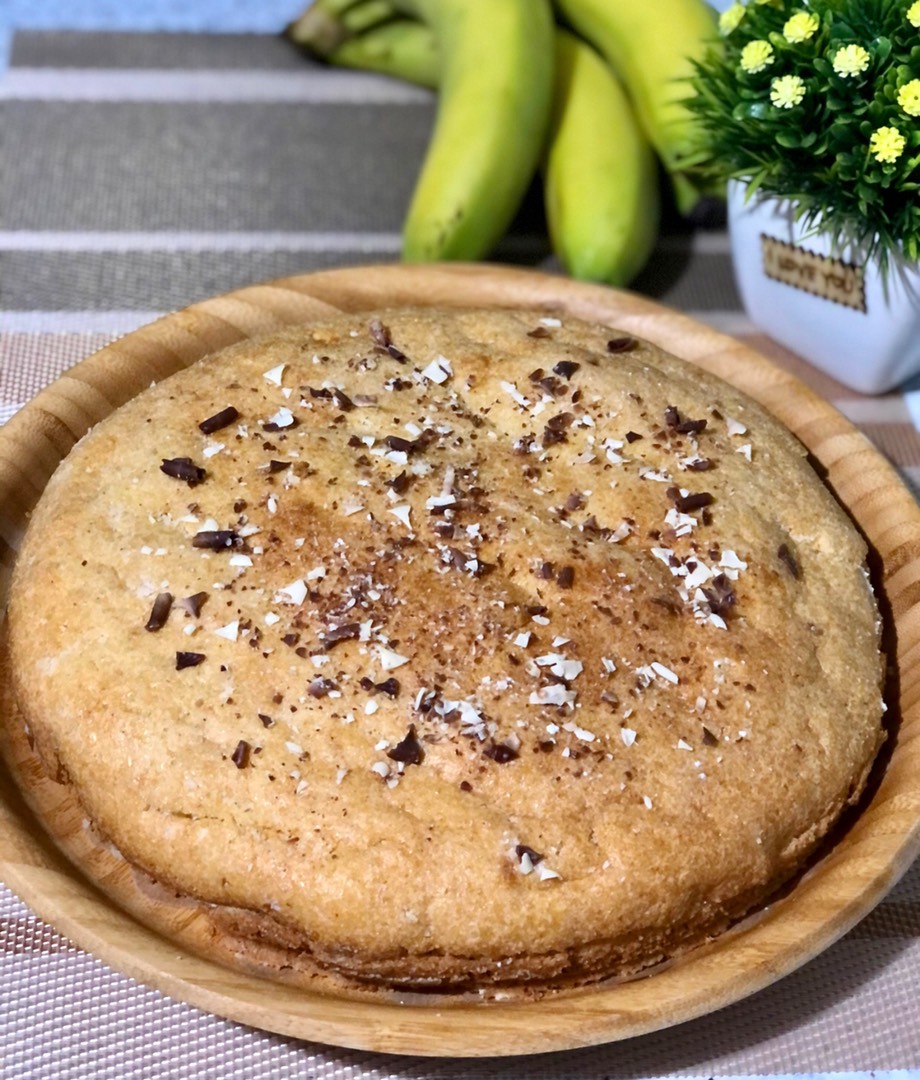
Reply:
x=833, y=310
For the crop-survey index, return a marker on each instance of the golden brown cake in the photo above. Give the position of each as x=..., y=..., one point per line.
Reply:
x=451, y=650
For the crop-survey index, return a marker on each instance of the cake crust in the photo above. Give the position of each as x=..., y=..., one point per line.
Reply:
x=499, y=650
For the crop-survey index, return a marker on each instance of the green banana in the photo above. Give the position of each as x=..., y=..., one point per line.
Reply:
x=600, y=175
x=401, y=48
x=651, y=44
x=494, y=104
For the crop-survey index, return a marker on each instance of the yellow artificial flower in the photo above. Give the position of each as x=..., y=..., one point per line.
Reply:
x=913, y=14
x=887, y=144
x=786, y=91
x=801, y=26
x=850, y=60
x=909, y=97
x=731, y=17
x=756, y=55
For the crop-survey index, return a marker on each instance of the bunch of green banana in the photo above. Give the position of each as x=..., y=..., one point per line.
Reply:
x=516, y=92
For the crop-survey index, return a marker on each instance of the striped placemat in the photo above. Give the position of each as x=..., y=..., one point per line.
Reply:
x=145, y=171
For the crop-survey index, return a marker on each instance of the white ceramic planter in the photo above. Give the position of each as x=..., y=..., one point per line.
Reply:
x=835, y=314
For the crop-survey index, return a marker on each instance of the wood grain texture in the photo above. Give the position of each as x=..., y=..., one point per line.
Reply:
x=865, y=860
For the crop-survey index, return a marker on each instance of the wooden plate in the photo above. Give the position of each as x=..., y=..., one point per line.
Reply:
x=866, y=859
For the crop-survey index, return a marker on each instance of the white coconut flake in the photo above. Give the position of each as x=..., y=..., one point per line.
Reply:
x=647, y=801
x=271, y=618
x=549, y=320
x=665, y=672
x=627, y=735
x=240, y=560
x=272, y=504
x=283, y=417
x=514, y=393
x=552, y=695
x=381, y=769
x=745, y=451
x=730, y=561
x=273, y=375
x=437, y=501
x=682, y=744
x=697, y=576
x=231, y=631
x=398, y=457
x=352, y=506
x=735, y=427
x=213, y=448
x=316, y=574
x=609, y=665
x=371, y=707
x=439, y=370
x=580, y=732
x=390, y=660
x=402, y=512
x=295, y=593
x=544, y=873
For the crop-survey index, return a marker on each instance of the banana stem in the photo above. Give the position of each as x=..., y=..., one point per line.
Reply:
x=326, y=24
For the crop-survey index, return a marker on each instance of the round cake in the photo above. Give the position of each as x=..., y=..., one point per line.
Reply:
x=450, y=650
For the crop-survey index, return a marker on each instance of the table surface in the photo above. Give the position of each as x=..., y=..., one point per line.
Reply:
x=154, y=169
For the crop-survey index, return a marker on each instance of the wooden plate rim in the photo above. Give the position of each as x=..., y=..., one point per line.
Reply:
x=841, y=889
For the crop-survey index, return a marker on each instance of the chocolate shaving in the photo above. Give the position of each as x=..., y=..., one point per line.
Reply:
x=381, y=335
x=270, y=425
x=699, y=465
x=408, y=750
x=320, y=687
x=691, y=427
x=709, y=739
x=621, y=344
x=194, y=603
x=379, y=332
x=390, y=687
x=671, y=416
x=188, y=659
x=575, y=501
x=400, y=484
x=240, y=756
x=344, y=632
x=720, y=595
x=566, y=368
x=633, y=436
x=183, y=468
x=276, y=466
x=566, y=577
x=396, y=442
x=217, y=539
x=552, y=386
x=501, y=753
x=784, y=552
x=560, y=421
x=160, y=612
x=539, y=332
x=267, y=721
x=522, y=849
x=219, y=420
x=687, y=503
